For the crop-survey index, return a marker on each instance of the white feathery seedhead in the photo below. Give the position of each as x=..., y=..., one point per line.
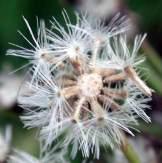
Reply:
x=121, y=55
x=43, y=105
x=118, y=56
x=40, y=54
x=102, y=128
x=34, y=102
x=55, y=154
x=69, y=43
x=101, y=33
x=74, y=130
x=92, y=92
x=137, y=102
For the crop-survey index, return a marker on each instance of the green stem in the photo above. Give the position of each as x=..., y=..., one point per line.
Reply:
x=129, y=152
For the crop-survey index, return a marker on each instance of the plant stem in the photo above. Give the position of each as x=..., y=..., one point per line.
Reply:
x=129, y=152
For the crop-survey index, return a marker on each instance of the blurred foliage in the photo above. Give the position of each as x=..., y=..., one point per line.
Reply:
x=149, y=10
x=21, y=138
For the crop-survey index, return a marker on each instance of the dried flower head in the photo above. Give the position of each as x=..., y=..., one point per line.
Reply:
x=91, y=93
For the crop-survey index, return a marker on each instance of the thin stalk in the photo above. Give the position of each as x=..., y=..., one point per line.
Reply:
x=129, y=152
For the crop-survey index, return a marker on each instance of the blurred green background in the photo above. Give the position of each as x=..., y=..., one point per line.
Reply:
x=11, y=12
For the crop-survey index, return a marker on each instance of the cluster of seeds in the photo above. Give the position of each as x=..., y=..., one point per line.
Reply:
x=85, y=85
